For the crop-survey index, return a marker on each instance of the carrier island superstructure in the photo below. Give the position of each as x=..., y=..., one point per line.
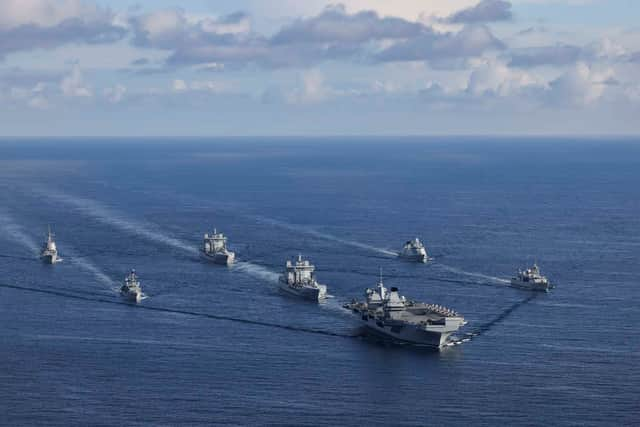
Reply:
x=387, y=313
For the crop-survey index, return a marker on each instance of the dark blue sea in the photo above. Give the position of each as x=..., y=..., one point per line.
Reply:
x=222, y=346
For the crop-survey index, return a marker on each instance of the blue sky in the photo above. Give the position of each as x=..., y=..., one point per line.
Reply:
x=314, y=67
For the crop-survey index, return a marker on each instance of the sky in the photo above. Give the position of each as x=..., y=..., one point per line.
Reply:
x=317, y=68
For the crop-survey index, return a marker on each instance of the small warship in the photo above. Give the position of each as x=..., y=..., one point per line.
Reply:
x=215, y=249
x=531, y=279
x=131, y=289
x=299, y=280
x=49, y=252
x=414, y=250
x=387, y=313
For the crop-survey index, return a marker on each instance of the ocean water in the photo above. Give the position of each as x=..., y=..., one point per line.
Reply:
x=215, y=345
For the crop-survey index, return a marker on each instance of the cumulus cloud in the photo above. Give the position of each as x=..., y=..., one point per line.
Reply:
x=581, y=86
x=334, y=25
x=496, y=78
x=469, y=42
x=485, y=11
x=73, y=85
x=179, y=85
x=333, y=34
x=115, y=94
x=46, y=24
x=565, y=54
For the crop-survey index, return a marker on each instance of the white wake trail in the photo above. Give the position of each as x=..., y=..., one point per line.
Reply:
x=88, y=266
x=107, y=216
x=471, y=274
x=257, y=271
x=312, y=232
x=16, y=233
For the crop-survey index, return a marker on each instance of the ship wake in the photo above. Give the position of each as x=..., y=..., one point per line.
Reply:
x=485, y=327
x=17, y=234
x=325, y=236
x=483, y=277
x=256, y=271
x=76, y=296
x=110, y=217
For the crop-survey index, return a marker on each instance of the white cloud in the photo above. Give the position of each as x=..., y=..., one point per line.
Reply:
x=495, y=77
x=581, y=86
x=115, y=94
x=14, y=13
x=180, y=85
x=74, y=86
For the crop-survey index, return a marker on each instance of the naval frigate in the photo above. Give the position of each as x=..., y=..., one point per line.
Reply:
x=414, y=250
x=49, y=254
x=215, y=249
x=131, y=289
x=387, y=313
x=299, y=279
x=531, y=279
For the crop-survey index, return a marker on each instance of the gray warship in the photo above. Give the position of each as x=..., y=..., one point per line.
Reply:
x=414, y=250
x=131, y=289
x=49, y=254
x=215, y=249
x=299, y=279
x=387, y=313
x=531, y=279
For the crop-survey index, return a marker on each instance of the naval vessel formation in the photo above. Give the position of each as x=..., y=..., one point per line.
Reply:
x=383, y=311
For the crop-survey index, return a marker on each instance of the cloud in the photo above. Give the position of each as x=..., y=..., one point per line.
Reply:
x=73, y=85
x=46, y=24
x=179, y=86
x=559, y=54
x=333, y=34
x=334, y=25
x=485, y=11
x=563, y=54
x=471, y=41
x=115, y=94
x=581, y=86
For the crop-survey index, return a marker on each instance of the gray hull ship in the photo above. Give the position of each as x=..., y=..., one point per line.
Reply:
x=390, y=315
x=131, y=290
x=414, y=251
x=531, y=280
x=49, y=254
x=299, y=280
x=215, y=249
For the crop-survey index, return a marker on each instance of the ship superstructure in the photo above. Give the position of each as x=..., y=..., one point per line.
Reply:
x=531, y=279
x=299, y=279
x=387, y=313
x=414, y=250
x=215, y=248
x=131, y=289
x=49, y=254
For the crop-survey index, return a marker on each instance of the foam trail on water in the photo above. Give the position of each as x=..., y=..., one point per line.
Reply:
x=87, y=265
x=471, y=274
x=16, y=233
x=311, y=232
x=257, y=271
x=109, y=217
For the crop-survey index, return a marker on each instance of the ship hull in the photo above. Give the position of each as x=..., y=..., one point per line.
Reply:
x=420, y=258
x=131, y=297
x=308, y=293
x=408, y=334
x=530, y=287
x=219, y=258
x=50, y=258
